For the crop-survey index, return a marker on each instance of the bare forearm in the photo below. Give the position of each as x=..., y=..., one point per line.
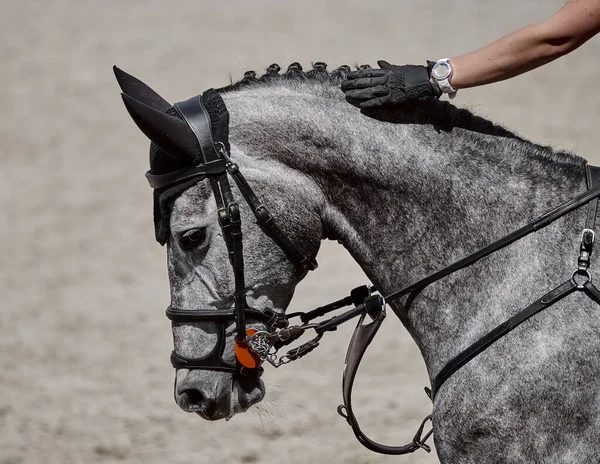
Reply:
x=510, y=56
x=528, y=48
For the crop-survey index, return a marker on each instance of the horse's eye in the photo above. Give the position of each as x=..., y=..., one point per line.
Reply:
x=193, y=238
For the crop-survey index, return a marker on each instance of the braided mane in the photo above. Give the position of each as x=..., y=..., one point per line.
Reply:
x=294, y=72
x=440, y=114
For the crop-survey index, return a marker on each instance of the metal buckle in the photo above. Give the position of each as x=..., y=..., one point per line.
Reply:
x=588, y=236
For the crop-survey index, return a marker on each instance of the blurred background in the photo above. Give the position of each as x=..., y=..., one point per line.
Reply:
x=84, y=345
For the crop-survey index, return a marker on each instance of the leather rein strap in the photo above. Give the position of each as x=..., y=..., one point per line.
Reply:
x=579, y=281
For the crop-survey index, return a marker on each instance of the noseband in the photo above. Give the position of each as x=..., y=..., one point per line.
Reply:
x=215, y=165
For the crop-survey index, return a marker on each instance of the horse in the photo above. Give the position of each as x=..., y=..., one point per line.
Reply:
x=406, y=190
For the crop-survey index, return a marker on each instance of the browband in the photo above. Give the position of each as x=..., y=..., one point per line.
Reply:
x=201, y=171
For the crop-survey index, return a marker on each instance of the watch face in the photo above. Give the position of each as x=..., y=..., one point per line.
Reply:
x=441, y=70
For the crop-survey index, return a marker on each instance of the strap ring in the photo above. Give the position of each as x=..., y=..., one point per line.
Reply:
x=582, y=273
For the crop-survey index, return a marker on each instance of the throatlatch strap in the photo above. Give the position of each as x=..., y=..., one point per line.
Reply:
x=266, y=222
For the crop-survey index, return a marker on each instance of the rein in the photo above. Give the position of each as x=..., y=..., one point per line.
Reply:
x=254, y=347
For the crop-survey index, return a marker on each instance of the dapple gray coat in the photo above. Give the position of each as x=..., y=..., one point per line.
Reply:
x=408, y=191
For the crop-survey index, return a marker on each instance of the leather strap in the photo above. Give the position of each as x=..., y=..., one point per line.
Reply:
x=484, y=342
x=361, y=339
x=212, y=168
x=587, y=241
x=588, y=235
x=213, y=162
x=364, y=333
x=196, y=116
x=593, y=180
x=213, y=361
x=533, y=226
x=267, y=223
x=208, y=315
x=592, y=291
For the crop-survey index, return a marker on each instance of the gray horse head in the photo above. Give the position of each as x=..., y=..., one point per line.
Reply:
x=200, y=274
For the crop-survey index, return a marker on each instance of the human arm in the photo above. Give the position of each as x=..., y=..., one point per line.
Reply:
x=514, y=54
x=530, y=47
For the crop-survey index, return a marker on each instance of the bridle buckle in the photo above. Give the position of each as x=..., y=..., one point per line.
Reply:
x=588, y=236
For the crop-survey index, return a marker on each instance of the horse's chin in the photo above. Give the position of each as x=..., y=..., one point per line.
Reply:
x=245, y=400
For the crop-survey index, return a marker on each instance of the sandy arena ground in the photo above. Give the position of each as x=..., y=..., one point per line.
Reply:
x=84, y=344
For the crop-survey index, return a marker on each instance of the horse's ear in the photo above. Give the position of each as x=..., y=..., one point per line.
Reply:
x=141, y=92
x=171, y=134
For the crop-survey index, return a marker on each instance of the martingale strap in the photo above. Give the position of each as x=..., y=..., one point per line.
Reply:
x=555, y=295
x=534, y=226
x=484, y=342
x=579, y=281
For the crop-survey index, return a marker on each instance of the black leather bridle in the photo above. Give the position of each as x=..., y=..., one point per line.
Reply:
x=216, y=165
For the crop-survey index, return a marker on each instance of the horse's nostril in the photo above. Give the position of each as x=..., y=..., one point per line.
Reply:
x=194, y=397
x=193, y=400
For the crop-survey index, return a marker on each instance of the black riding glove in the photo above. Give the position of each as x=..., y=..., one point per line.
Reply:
x=389, y=85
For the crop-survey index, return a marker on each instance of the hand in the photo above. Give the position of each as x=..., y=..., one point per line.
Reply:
x=389, y=85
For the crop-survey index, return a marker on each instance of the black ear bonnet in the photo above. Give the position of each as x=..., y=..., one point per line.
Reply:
x=161, y=163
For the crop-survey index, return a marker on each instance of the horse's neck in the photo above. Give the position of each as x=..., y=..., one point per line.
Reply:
x=406, y=200
x=427, y=209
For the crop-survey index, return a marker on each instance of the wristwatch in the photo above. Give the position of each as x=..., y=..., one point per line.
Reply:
x=442, y=72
